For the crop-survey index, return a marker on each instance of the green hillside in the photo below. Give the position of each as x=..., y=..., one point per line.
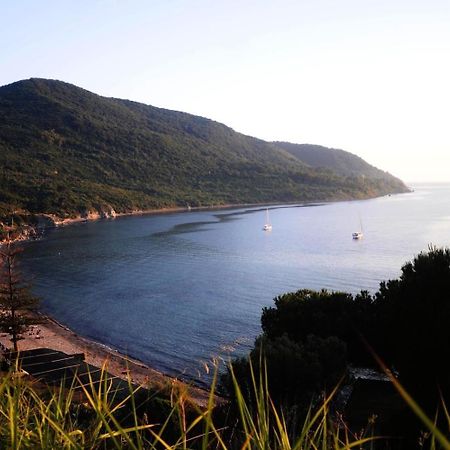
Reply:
x=339, y=161
x=66, y=151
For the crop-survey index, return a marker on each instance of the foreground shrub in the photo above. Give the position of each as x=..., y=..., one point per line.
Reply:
x=415, y=312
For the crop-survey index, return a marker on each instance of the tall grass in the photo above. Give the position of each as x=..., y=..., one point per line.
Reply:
x=265, y=427
x=91, y=416
x=81, y=416
x=34, y=416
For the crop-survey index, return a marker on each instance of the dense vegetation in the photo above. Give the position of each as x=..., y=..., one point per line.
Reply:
x=339, y=161
x=413, y=315
x=66, y=151
x=310, y=337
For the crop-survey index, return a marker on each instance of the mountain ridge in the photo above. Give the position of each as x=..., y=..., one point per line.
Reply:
x=340, y=161
x=67, y=151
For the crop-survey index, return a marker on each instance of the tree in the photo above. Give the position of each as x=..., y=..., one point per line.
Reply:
x=324, y=314
x=415, y=312
x=15, y=296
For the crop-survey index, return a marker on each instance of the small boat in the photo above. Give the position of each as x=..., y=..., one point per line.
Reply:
x=358, y=234
x=267, y=226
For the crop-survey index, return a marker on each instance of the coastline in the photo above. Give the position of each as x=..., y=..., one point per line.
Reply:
x=54, y=335
x=59, y=337
x=178, y=209
x=111, y=214
x=48, y=221
x=49, y=333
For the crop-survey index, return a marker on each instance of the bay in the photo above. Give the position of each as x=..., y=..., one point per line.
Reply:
x=177, y=290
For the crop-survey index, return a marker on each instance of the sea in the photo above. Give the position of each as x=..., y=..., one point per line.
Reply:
x=181, y=291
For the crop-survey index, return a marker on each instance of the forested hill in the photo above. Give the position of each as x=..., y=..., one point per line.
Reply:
x=67, y=151
x=340, y=161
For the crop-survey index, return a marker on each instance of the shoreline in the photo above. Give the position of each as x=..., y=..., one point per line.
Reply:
x=49, y=333
x=55, y=335
x=177, y=209
x=60, y=337
x=50, y=221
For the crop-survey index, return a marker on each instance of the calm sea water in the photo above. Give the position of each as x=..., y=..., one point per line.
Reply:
x=175, y=290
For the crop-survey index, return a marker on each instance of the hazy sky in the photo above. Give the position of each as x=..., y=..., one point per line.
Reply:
x=371, y=77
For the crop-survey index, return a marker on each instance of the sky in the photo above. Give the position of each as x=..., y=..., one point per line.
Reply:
x=369, y=76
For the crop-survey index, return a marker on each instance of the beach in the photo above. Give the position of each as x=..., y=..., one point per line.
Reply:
x=53, y=335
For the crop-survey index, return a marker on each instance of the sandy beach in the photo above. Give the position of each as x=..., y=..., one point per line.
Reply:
x=51, y=334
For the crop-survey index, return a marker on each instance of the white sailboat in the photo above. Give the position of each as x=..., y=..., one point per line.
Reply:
x=358, y=234
x=267, y=226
